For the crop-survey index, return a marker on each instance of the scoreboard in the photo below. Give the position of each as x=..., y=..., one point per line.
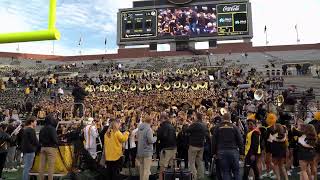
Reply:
x=138, y=24
x=232, y=19
x=195, y=21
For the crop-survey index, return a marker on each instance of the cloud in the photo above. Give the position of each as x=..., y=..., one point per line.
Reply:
x=281, y=18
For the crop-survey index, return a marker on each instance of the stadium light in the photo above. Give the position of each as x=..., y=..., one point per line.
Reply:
x=50, y=34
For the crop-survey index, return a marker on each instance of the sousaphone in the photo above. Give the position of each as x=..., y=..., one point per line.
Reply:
x=258, y=94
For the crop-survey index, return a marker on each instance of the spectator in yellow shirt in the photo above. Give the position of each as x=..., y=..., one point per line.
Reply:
x=113, y=141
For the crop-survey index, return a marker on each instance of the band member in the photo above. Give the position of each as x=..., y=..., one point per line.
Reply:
x=306, y=150
x=316, y=123
x=270, y=122
x=252, y=149
x=90, y=136
x=279, y=148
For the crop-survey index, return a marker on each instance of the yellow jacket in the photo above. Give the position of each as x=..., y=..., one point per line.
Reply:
x=27, y=91
x=113, y=145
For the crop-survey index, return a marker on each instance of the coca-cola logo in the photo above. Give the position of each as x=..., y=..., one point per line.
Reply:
x=179, y=1
x=233, y=8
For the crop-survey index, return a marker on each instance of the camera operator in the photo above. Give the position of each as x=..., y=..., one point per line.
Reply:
x=145, y=147
x=168, y=143
x=113, y=141
x=79, y=95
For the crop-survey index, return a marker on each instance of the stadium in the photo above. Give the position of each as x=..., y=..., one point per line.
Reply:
x=227, y=110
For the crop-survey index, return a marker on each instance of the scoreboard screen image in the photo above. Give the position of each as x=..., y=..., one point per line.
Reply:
x=191, y=21
x=198, y=22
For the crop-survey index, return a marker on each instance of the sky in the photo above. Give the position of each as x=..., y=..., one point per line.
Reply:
x=95, y=20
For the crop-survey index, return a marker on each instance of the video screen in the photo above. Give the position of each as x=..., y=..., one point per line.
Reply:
x=189, y=21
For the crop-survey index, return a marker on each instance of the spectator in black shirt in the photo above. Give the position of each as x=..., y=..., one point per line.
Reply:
x=168, y=143
x=49, y=141
x=79, y=95
x=227, y=146
x=197, y=134
x=29, y=146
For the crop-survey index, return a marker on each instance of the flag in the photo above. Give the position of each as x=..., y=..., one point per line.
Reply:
x=296, y=26
x=265, y=29
x=80, y=41
x=105, y=41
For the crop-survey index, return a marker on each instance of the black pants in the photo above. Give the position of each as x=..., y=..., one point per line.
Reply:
x=206, y=159
x=3, y=157
x=248, y=164
x=218, y=170
x=113, y=169
x=183, y=154
x=130, y=155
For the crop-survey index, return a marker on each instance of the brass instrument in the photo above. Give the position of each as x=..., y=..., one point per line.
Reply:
x=279, y=100
x=148, y=87
x=117, y=86
x=223, y=111
x=142, y=87
x=90, y=89
x=230, y=94
x=158, y=85
x=112, y=88
x=124, y=90
x=177, y=85
x=193, y=70
x=104, y=88
x=196, y=74
x=195, y=86
x=185, y=85
x=258, y=94
x=118, y=75
x=125, y=75
x=154, y=74
x=132, y=75
x=204, y=72
x=203, y=85
x=167, y=86
x=133, y=87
